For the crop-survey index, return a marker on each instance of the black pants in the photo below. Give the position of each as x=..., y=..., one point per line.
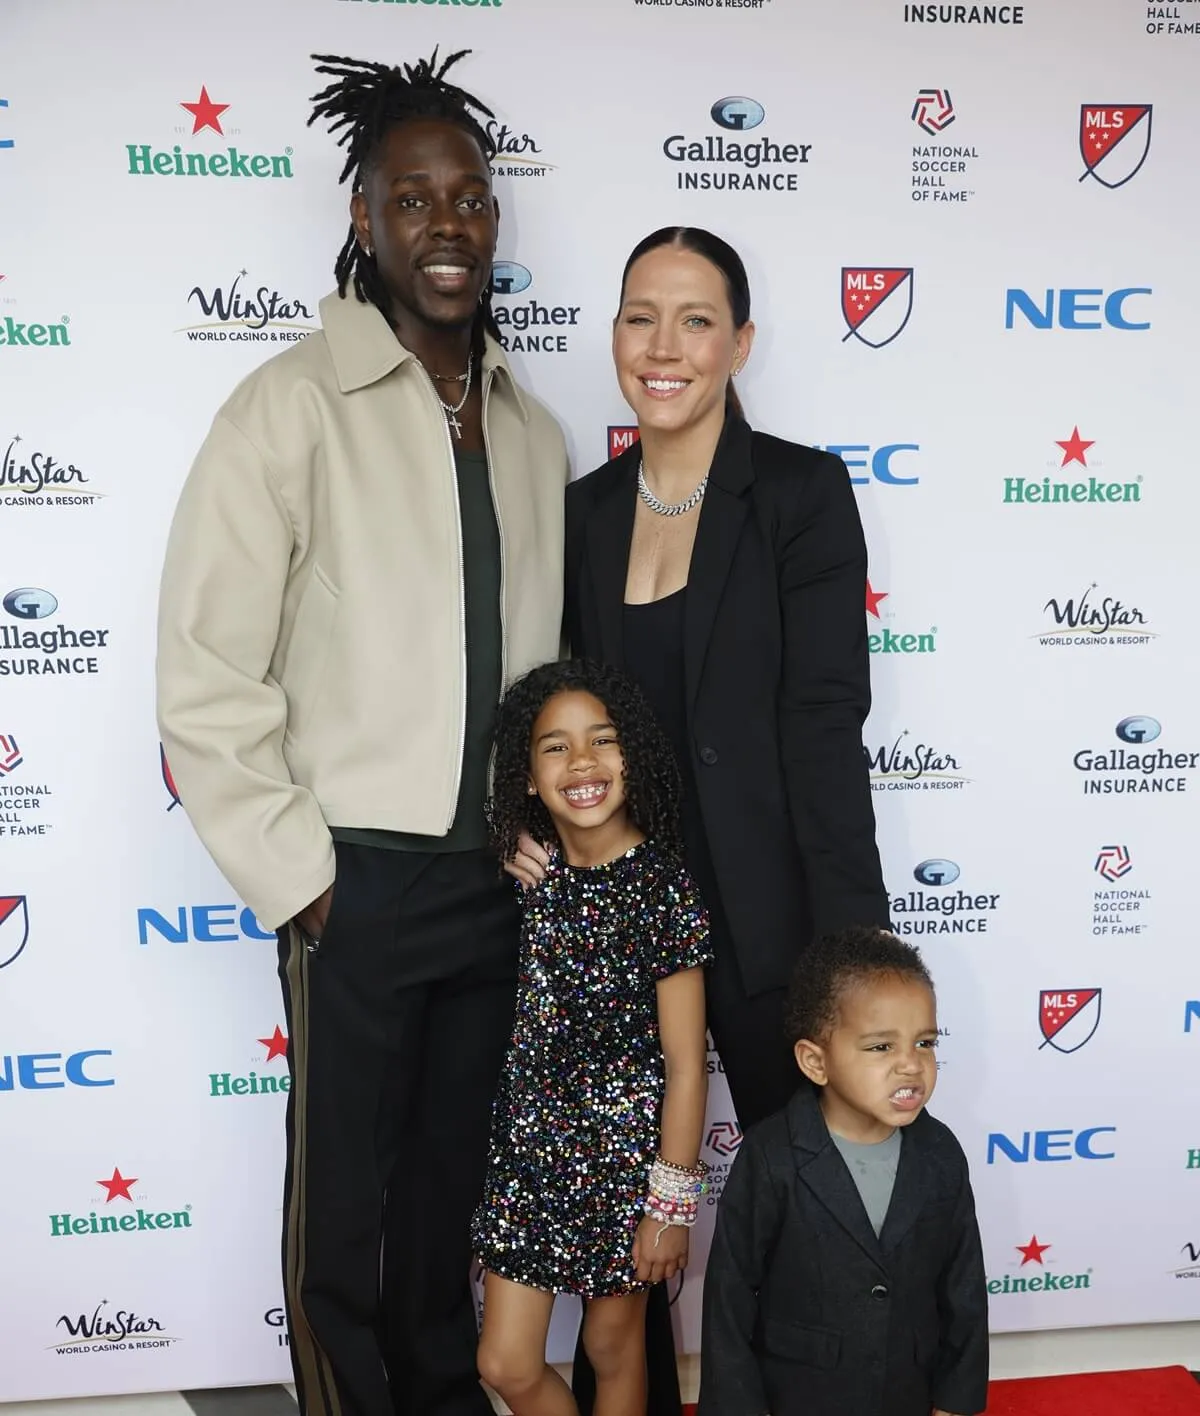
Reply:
x=397, y=1022
x=762, y=1077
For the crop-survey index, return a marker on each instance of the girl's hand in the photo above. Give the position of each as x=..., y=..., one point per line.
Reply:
x=655, y=1256
x=530, y=862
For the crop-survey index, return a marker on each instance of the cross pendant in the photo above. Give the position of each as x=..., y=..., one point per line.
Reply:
x=452, y=419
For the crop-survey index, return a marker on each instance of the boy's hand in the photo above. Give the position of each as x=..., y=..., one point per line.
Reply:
x=658, y=1256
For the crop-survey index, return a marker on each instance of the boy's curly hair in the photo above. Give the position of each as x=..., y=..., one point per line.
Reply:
x=651, y=772
x=833, y=965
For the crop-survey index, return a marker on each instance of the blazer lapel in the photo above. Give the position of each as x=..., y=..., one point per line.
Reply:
x=722, y=515
x=609, y=533
x=910, y=1189
x=821, y=1167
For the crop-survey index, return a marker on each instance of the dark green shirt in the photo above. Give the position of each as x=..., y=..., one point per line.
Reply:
x=481, y=585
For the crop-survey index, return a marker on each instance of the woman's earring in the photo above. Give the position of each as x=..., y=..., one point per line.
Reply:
x=369, y=250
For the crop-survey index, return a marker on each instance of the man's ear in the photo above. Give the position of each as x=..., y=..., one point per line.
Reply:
x=810, y=1058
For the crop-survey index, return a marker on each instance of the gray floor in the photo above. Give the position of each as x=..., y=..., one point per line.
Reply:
x=237, y=1401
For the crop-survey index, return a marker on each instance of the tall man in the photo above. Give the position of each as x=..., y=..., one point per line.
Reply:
x=368, y=547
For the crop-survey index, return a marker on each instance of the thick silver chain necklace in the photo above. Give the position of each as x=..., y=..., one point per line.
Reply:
x=668, y=508
x=454, y=409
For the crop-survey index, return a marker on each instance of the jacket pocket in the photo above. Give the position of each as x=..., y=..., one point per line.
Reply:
x=814, y=1347
x=303, y=674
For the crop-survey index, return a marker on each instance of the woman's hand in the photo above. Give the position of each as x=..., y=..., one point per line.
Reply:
x=530, y=862
x=658, y=1255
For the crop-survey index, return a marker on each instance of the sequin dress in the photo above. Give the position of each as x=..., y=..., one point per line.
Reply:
x=576, y=1120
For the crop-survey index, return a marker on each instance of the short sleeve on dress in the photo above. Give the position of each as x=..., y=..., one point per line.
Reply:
x=677, y=930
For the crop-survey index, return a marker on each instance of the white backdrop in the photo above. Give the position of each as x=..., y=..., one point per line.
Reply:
x=925, y=159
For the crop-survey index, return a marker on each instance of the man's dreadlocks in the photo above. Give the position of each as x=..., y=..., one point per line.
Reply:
x=365, y=102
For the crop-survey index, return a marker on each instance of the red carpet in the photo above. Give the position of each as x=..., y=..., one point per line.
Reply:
x=1161, y=1391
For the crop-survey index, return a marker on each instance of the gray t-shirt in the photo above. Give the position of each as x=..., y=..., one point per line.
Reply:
x=873, y=1168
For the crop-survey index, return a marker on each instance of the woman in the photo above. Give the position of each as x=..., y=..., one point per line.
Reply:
x=723, y=570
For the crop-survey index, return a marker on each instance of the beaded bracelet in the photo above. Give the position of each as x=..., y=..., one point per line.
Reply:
x=674, y=1192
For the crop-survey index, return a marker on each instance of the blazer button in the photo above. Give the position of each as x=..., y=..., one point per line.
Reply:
x=879, y=1292
x=708, y=755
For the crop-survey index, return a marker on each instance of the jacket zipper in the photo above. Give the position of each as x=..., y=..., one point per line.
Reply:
x=462, y=610
x=487, y=389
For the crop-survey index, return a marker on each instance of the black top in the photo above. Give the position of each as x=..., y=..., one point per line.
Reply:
x=776, y=682
x=653, y=637
x=485, y=648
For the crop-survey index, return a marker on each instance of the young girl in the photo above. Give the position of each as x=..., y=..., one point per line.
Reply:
x=593, y=1179
x=846, y=1274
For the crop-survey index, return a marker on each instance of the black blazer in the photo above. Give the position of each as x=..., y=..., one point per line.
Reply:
x=807, y=1313
x=778, y=683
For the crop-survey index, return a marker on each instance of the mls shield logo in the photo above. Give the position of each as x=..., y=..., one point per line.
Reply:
x=14, y=927
x=621, y=438
x=876, y=302
x=1114, y=141
x=1068, y=1019
x=168, y=779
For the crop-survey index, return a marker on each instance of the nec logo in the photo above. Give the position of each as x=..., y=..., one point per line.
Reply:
x=1049, y=1145
x=206, y=924
x=875, y=462
x=1074, y=309
x=44, y=1071
x=1191, y=1014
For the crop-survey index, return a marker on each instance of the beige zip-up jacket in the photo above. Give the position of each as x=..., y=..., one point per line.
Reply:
x=311, y=645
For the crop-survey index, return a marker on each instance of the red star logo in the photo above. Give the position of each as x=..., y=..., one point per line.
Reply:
x=276, y=1044
x=206, y=113
x=873, y=599
x=1074, y=448
x=118, y=1187
x=1032, y=1251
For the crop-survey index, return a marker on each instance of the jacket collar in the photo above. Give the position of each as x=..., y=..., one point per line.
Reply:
x=364, y=349
x=820, y=1166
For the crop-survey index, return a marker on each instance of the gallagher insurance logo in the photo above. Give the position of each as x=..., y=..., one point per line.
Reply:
x=31, y=477
x=719, y=162
x=1068, y=1018
x=205, y=117
x=1127, y=770
x=913, y=767
x=526, y=325
x=1114, y=141
x=884, y=640
x=108, y=1329
x=55, y=645
x=240, y=313
x=933, y=912
x=1046, y=1277
x=877, y=302
x=132, y=1220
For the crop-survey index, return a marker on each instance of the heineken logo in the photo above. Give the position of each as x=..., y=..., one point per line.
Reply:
x=255, y=1084
x=884, y=640
x=34, y=333
x=1039, y=1279
x=137, y=1219
x=1034, y=492
x=232, y=161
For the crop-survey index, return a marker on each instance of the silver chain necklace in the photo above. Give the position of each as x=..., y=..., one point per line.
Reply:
x=454, y=409
x=668, y=508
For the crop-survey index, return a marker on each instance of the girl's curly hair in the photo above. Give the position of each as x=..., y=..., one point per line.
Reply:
x=651, y=772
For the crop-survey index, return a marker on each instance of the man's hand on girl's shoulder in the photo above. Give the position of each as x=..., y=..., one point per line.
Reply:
x=528, y=866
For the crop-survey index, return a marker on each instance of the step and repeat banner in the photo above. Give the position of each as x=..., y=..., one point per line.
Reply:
x=969, y=232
